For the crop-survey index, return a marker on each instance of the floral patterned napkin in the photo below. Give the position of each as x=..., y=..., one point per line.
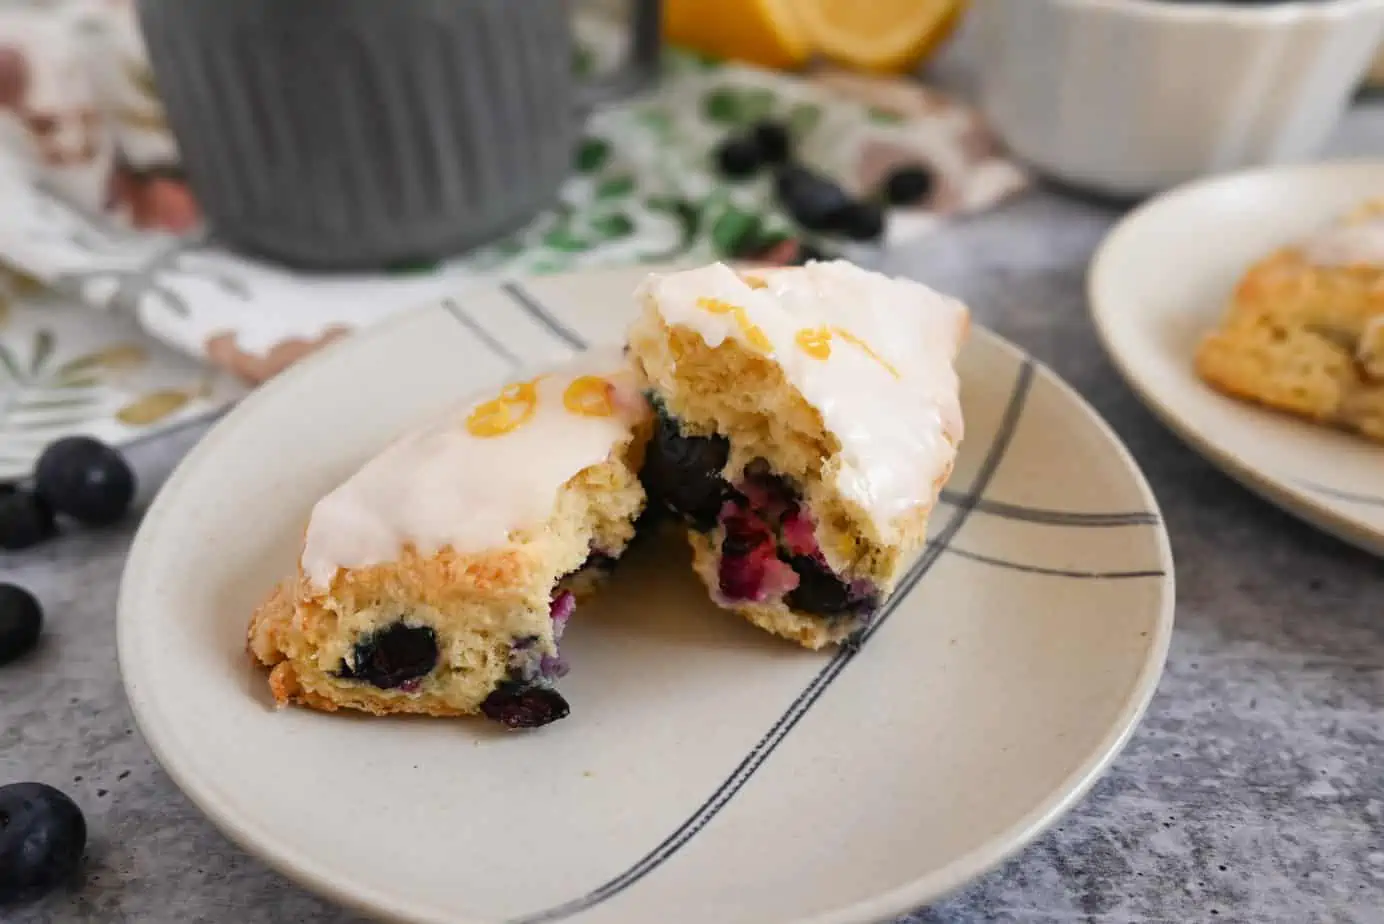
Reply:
x=97, y=213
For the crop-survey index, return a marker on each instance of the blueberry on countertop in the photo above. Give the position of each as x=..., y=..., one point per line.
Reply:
x=773, y=141
x=862, y=221
x=85, y=479
x=814, y=201
x=908, y=185
x=25, y=520
x=42, y=836
x=738, y=157
x=21, y=621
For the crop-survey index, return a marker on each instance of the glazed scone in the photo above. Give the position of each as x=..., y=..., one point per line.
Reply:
x=806, y=419
x=438, y=578
x=1304, y=332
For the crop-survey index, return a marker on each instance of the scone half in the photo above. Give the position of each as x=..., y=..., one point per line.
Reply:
x=805, y=421
x=439, y=578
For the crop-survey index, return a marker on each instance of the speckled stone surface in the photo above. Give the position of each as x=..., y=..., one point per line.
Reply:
x=1253, y=791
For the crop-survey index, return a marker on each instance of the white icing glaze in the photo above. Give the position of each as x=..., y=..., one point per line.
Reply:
x=442, y=485
x=1360, y=244
x=898, y=427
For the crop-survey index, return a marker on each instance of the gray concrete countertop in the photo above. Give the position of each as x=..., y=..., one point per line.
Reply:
x=1253, y=791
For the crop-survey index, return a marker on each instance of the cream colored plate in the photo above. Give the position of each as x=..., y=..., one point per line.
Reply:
x=708, y=773
x=1160, y=281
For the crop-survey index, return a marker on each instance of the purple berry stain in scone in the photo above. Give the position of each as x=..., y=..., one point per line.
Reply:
x=769, y=549
x=395, y=657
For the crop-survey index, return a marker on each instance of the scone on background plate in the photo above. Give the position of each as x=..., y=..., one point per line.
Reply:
x=1304, y=332
x=438, y=579
x=806, y=419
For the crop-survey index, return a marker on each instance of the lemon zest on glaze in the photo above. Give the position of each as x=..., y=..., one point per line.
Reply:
x=816, y=342
x=505, y=414
x=589, y=396
x=752, y=331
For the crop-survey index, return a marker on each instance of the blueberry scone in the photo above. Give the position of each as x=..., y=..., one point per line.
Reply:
x=439, y=577
x=805, y=420
x=1304, y=332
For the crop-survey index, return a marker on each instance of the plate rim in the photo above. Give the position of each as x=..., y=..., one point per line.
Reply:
x=306, y=872
x=1294, y=499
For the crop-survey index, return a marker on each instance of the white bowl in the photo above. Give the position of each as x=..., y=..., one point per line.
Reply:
x=1128, y=97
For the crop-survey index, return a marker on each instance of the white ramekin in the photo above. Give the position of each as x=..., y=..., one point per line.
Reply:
x=1131, y=96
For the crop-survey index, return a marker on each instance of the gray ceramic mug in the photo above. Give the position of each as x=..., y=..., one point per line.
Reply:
x=347, y=134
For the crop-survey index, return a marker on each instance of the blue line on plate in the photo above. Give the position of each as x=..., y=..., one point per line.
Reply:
x=543, y=316
x=1055, y=572
x=480, y=333
x=1053, y=517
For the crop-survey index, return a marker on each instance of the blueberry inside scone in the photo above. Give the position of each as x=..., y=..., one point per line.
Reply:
x=441, y=577
x=805, y=420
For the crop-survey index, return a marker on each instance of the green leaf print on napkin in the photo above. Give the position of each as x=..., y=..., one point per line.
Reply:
x=733, y=231
x=43, y=350
x=722, y=106
x=613, y=226
x=39, y=403
x=592, y=155
x=688, y=217
x=735, y=106
x=884, y=116
x=615, y=187
x=566, y=240
x=803, y=118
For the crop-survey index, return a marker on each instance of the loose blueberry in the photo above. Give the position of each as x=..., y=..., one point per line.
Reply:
x=25, y=520
x=683, y=473
x=908, y=185
x=391, y=657
x=42, y=836
x=773, y=141
x=85, y=479
x=738, y=157
x=814, y=201
x=21, y=621
x=517, y=705
x=862, y=221
x=822, y=593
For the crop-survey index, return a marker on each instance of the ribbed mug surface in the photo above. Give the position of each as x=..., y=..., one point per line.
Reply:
x=355, y=133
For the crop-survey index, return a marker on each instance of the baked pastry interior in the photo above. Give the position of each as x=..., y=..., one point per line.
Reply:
x=440, y=577
x=805, y=420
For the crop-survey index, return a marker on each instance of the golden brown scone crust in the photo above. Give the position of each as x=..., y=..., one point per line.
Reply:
x=1298, y=338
